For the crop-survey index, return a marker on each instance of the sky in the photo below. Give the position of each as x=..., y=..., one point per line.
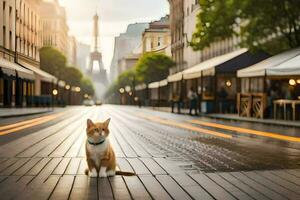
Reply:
x=115, y=15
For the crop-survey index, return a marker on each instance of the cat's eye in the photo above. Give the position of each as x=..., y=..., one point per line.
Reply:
x=103, y=129
x=96, y=130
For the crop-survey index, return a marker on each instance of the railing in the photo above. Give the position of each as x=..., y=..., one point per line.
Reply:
x=252, y=104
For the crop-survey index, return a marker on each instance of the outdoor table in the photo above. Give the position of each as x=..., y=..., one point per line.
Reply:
x=285, y=102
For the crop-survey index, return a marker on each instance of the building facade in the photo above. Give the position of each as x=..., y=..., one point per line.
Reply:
x=124, y=45
x=157, y=38
x=177, y=34
x=82, y=56
x=20, y=39
x=54, y=24
x=183, y=15
x=72, y=51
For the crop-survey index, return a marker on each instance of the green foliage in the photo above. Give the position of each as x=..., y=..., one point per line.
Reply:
x=73, y=75
x=127, y=78
x=253, y=20
x=52, y=61
x=87, y=86
x=55, y=63
x=151, y=67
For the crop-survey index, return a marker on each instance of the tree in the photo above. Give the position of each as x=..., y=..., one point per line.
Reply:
x=127, y=78
x=55, y=63
x=153, y=67
x=72, y=75
x=270, y=25
x=87, y=86
x=52, y=61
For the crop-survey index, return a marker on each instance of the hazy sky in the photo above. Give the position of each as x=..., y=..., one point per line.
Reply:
x=115, y=15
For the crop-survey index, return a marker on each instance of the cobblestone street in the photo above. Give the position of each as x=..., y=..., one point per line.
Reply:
x=172, y=156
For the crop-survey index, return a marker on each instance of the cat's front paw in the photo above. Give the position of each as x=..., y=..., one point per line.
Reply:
x=93, y=173
x=103, y=175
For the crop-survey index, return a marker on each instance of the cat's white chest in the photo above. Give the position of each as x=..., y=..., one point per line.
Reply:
x=96, y=152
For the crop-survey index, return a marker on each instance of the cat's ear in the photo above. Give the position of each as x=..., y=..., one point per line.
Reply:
x=89, y=123
x=107, y=122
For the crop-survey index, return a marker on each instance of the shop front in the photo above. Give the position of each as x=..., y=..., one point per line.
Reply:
x=16, y=84
x=44, y=84
x=216, y=80
x=154, y=94
x=271, y=88
x=163, y=93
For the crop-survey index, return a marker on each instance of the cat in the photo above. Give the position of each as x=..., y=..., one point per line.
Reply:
x=101, y=159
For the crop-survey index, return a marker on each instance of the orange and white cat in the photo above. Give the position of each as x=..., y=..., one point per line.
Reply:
x=100, y=155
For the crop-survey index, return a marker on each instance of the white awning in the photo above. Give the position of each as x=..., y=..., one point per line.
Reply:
x=10, y=69
x=43, y=75
x=208, y=66
x=175, y=77
x=288, y=68
x=140, y=87
x=153, y=85
x=266, y=67
x=163, y=83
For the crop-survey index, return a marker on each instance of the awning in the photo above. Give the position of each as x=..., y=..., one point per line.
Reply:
x=44, y=75
x=140, y=87
x=279, y=65
x=153, y=85
x=208, y=66
x=288, y=68
x=10, y=69
x=175, y=77
x=163, y=83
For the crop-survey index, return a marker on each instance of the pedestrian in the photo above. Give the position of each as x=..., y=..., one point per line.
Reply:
x=175, y=101
x=192, y=96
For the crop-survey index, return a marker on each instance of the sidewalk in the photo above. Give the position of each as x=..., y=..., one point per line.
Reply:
x=14, y=112
x=234, y=117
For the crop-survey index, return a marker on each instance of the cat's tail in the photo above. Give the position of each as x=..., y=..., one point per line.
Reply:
x=121, y=173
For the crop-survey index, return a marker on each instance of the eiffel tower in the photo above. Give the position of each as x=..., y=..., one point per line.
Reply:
x=99, y=78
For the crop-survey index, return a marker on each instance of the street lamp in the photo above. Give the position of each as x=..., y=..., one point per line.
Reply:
x=128, y=88
x=68, y=87
x=77, y=89
x=55, y=92
x=292, y=82
x=122, y=90
x=228, y=83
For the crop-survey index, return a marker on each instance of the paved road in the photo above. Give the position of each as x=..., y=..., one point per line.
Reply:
x=174, y=157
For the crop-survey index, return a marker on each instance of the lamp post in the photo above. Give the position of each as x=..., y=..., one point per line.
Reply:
x=121, y=90
x=68, y=87
x=54, y=93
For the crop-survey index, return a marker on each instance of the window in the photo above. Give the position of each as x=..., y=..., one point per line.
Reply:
x=1, y=91
x=159, y=41
x=10, y=40
x=4, y=38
